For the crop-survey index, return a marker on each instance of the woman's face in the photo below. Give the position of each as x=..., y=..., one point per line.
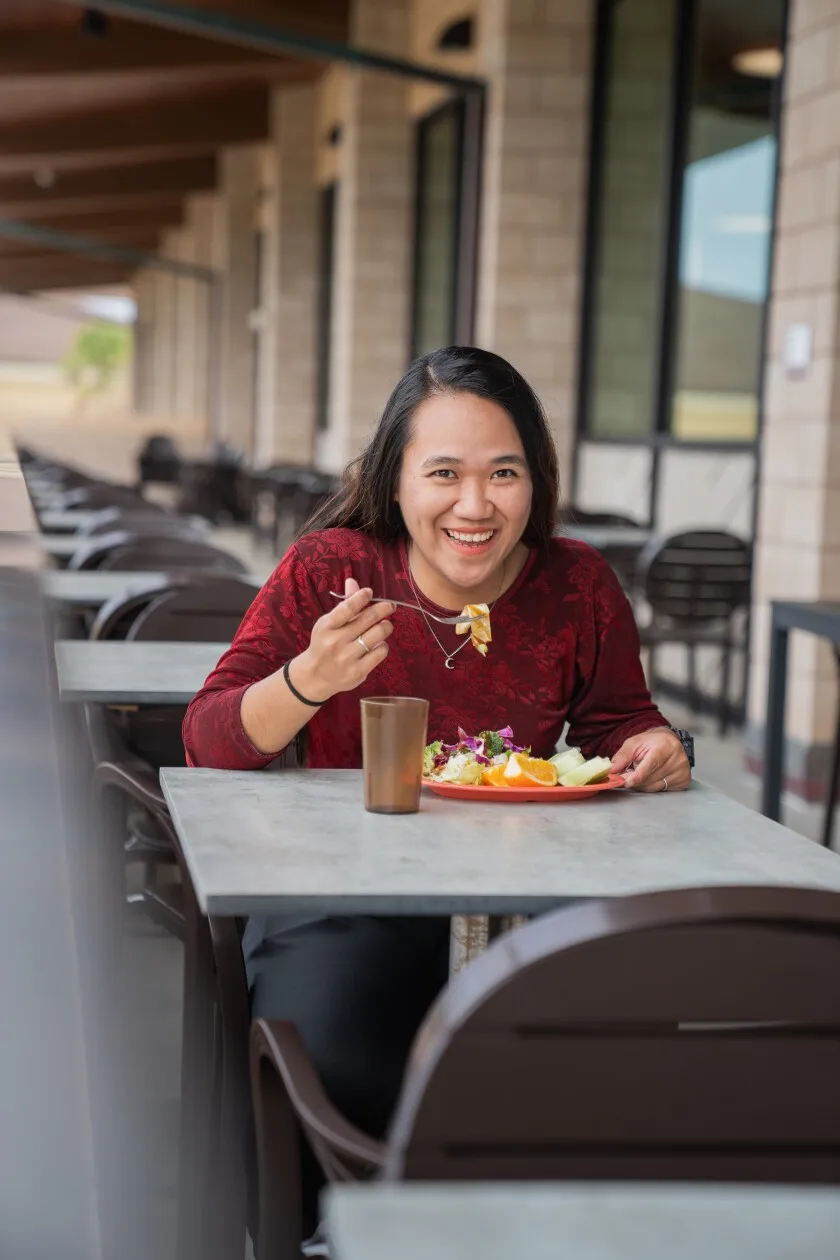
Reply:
x=464, y=488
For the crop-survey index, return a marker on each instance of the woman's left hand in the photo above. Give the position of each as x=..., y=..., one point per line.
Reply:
x=653, y=761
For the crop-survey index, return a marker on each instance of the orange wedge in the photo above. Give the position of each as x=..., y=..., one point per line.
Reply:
x=494, y=776
x=522, y=771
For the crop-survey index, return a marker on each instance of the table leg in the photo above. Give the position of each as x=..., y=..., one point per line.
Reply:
x=774, y=729
x=197, y=1087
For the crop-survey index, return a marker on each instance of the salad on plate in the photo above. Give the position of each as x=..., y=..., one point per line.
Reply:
x=494, y=759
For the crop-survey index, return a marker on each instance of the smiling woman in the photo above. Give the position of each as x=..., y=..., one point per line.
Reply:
x=452, y=503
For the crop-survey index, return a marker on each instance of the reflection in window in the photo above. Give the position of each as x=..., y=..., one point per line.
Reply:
x=631, y=219
x=725, y=240
x=439, y=144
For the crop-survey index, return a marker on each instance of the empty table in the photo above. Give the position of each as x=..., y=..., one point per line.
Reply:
x=577, y=1221
x=301, y=842
x=104, y=672
x=604, y=537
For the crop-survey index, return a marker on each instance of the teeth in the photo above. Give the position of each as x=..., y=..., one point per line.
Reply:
x=471, y=538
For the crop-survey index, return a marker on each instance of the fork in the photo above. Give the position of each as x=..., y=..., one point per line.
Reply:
x=444, y=621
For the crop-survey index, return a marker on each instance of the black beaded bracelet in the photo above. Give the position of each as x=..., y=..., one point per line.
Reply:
x=313, y=704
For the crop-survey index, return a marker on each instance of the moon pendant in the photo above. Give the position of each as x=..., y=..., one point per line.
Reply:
x=449, y=663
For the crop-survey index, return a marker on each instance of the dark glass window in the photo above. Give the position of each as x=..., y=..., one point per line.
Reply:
x=682, y=204
x=326, y=265
x=437, y=192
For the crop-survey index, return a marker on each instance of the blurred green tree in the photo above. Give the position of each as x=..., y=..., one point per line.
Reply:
x=95, y=357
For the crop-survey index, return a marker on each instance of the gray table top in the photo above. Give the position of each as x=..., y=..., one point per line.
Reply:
x=300, y=841
x=600, y=536
x=133, y=673
x=90, y=588
x=582, y=1222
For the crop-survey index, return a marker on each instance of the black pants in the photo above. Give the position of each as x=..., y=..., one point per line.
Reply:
x=357, y=989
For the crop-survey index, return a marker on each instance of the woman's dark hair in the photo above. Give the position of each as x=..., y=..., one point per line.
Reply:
x=367, y=498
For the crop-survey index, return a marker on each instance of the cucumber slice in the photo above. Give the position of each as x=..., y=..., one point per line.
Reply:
x=590, y=772
x=564, y=762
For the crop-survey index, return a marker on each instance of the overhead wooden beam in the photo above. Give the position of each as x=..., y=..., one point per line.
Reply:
x=228, y=23
x=127, y=46
x=145, y=239
x=134, y=179
x=107, y=224
x=236, y=118
x=78, y=214
x=45, y=273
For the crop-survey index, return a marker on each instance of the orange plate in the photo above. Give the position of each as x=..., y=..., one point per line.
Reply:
x=518, y=795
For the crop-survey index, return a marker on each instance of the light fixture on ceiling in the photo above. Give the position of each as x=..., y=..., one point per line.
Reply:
x=759, y=63
x=44, y=177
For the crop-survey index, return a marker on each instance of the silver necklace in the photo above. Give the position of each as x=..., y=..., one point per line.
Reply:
x=449, y=662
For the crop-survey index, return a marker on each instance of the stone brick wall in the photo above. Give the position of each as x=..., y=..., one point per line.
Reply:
x=537, y=56
x=798, y=543
x=373, y=239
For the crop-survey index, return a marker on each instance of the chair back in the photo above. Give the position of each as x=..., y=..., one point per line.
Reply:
x=699, y=576
x=200, y=611
x=116, y=617
x=153, y=521
x=168, y=554
x=690, y=1034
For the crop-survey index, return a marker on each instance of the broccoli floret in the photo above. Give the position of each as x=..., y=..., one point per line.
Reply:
x=493, y=743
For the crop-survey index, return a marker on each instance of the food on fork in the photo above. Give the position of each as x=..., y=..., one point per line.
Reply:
x=492, y=759
x=479, y=630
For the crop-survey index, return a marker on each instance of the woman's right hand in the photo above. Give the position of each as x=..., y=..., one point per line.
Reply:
x=336, y=660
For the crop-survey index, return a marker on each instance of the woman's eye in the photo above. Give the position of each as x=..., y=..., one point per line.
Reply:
x=505, y=473
x=444, y=473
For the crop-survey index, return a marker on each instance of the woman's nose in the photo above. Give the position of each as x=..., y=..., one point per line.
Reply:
x=473, y=503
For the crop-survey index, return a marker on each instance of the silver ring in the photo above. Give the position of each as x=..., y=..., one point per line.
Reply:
x=362, y=643
x=665, y=784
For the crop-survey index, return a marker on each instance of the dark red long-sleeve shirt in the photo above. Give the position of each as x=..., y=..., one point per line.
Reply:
x=565, y=648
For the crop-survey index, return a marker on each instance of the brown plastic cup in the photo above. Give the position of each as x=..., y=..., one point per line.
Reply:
x=393, y=739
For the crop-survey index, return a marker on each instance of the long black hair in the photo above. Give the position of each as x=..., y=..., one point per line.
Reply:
x=367, y=498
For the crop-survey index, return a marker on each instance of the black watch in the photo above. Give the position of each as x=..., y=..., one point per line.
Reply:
x=687, y=742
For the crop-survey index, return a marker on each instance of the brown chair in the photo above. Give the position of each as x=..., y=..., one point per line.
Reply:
x=697, y=585
x=688, y=1035
x=155, y=521
x=159, y=552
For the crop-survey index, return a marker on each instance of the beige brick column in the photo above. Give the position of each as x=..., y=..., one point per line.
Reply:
x=536, y=56
x=237, y=253
x=287, y=382
x=163, y=341
x=144, y=331
x=202, y=212
x=798, y=540
x=373, y=239
x=182, y=249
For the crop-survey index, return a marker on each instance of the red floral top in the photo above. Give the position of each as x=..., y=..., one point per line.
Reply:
x=565, y=648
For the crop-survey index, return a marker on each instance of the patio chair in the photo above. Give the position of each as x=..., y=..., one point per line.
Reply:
x=133, y=551
x=158, y=460
x=688, y=1035
x=622, y=559
x=697, y=585
x=140, y=521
